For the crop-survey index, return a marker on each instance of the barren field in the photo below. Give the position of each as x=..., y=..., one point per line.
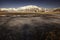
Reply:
x=30, y=27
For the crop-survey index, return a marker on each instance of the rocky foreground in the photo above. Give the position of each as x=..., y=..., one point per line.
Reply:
x=44, y=27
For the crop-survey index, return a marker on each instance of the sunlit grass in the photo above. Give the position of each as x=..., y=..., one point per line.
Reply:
x=25, y=13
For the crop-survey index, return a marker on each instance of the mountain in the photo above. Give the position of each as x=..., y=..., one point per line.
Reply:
x=29, y=8
x=8, y=9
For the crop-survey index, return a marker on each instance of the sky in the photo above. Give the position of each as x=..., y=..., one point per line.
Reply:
x=20, y=3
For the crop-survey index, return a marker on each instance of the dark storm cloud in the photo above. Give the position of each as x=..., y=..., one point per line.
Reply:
x=17, y=3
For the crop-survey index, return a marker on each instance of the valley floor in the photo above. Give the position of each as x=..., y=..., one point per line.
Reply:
x=39, y=27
